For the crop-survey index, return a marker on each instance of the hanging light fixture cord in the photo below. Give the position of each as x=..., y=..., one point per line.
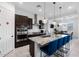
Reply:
x=44, y=10
x=60, y=11
x=54, y=9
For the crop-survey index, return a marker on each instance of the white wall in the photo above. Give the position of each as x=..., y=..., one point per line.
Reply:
x=7, y=25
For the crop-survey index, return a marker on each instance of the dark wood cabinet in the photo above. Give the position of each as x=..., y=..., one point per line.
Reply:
x=23, y=21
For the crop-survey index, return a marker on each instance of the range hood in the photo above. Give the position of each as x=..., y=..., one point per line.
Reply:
x=35, y=19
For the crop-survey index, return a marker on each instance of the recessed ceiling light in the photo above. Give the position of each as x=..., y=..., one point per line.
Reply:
x=45, y=20
x=70, y=7
x=20, y=2
x=39, y=8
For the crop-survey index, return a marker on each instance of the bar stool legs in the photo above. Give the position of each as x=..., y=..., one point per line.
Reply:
x=63, y=51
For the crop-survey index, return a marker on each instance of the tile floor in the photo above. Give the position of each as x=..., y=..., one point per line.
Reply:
x=24, y=51
x=20, y=52
x=74, y=47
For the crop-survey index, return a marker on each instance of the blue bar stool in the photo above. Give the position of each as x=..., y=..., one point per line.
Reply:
x=68, y=38
x=60, y=43
x=65, y=40
x=59, y=51
x=65, y=48
x=50, y=48
x=55, y=46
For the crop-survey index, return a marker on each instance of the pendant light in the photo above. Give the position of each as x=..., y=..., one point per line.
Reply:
x=44, y=20
x=39, y=7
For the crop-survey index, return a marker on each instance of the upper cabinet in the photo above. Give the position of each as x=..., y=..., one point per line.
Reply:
x=23, y=21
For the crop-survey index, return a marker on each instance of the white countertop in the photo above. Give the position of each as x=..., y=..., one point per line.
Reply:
x=43, y=40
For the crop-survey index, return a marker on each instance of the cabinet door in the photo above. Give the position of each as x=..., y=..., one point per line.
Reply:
x=20, y=20
x=23, y=20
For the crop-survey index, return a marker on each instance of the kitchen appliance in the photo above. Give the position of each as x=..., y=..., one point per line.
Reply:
x=22, y=33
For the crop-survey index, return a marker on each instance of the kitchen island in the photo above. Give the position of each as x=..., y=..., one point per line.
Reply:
x=41, y=41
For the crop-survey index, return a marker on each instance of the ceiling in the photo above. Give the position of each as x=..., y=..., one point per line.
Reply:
x=67, y=8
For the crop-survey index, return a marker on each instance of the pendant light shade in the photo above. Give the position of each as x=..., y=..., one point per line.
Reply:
x=45, y=21
x=39, y=7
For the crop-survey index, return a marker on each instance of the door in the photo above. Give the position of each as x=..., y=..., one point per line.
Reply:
x=6, y=29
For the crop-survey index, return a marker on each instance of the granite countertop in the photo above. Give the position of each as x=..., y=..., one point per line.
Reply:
x=43, y=40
